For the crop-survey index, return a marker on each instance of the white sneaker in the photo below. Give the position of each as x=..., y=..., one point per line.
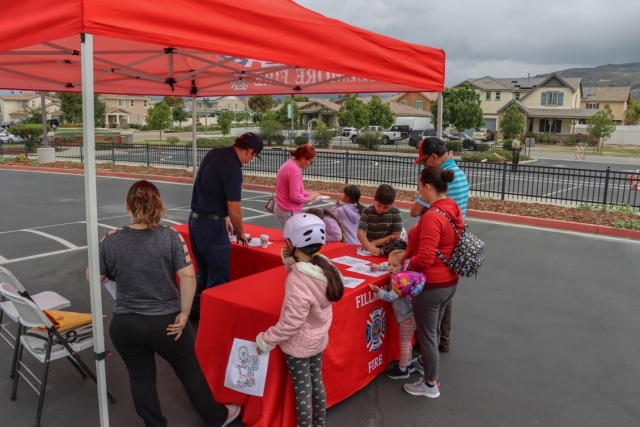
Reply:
x=420, y=388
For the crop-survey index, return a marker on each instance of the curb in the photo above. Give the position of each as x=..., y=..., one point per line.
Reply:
x=471, y=213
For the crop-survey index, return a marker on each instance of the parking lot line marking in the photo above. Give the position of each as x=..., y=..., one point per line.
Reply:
x=561, y=191
x=254, y=210
x=172, y=222
x=52, y=237
x=257, y=216
x=105, y=226
x=26, y=258
x=3, y=259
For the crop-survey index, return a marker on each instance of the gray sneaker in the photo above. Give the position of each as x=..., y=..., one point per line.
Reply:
x=420, y=388
x=417, y=365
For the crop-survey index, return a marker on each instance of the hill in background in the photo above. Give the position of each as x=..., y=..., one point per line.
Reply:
x=612, y=75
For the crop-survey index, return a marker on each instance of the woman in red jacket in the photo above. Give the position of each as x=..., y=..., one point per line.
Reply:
x=433, y=231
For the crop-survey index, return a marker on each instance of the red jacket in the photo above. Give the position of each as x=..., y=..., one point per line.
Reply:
x=433, y=231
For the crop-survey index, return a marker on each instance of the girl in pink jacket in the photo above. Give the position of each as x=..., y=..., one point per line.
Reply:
x=302, y=332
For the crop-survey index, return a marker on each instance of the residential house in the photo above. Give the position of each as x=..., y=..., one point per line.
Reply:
x=316, y=108
x=618, y=99
x=12, y=107
x=128, y=109
x=548, y=104
x=213, y=106
x=400, y=110
x=417, y=100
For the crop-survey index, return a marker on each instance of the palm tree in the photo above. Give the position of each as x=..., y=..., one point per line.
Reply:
x=632, y=115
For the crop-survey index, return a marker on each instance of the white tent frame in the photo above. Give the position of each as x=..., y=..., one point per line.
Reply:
x=87, y=63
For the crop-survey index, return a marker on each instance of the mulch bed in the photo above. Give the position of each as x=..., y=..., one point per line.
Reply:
x=538, y=210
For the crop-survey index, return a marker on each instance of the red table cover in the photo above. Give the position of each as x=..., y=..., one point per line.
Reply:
x=363, y=340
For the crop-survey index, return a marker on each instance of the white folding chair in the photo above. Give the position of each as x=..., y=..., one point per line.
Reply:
x=31, y=316
x=47, y=300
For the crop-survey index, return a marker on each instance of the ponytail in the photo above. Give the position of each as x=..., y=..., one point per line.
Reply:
x=305, y=151
x=335, y=287
x=353, y=194
x=145, y=204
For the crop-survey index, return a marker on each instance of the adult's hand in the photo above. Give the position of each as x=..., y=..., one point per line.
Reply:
x=229, y=225
x=177, y=327
x=312, y=196
x=242, y=238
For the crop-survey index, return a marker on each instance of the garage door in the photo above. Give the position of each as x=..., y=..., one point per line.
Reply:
x=490, y=124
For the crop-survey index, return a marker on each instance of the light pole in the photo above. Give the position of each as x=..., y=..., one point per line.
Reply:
x=206, y=101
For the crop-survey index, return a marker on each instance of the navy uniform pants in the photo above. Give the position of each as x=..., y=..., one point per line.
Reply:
x=212, y=250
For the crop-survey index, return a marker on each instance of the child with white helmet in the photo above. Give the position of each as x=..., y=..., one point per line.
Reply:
x=302, y=332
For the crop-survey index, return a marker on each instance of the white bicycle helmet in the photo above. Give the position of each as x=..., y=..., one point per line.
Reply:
x=304, y=230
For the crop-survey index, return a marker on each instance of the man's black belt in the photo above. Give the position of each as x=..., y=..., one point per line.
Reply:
x=206, y=216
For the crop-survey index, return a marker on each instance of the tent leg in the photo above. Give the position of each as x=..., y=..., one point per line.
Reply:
x=439, y=129
x=91, y=204
x=194, y=148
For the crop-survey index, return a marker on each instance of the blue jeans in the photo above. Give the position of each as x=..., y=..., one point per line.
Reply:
x=212, y=251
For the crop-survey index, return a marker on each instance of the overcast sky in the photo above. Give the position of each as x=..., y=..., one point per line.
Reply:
x=502, y=38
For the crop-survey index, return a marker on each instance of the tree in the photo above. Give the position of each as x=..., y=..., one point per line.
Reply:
x=261, y=104
x=159, y=117
x=243, y=116
x=224, y=121
x=601, y=125
x=632, y=115
x=460, y=108
x=71, y=106
x=178, y=114
x=173, y=101
x=512, y=123
x=300, y=98
x=322, y=135
x=269, y=127
x=380, y=113
x=353, y=112
x=34, y=116
x=282, y=115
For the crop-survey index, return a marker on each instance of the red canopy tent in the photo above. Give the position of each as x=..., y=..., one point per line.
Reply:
x=194, y=47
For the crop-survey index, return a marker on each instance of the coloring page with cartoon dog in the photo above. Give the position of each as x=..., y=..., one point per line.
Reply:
x=246, y=370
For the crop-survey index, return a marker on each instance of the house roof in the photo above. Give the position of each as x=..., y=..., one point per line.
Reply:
x=18, y=113
x=329, y=104
x=551, y=113
x=407, y=111
x=299, y=104
x=611, y=94
x=519, y=83
x=486, y=83
x=113, y=110
x=22, y=97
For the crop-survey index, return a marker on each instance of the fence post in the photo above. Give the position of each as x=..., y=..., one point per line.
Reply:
x=81, y=155
x=26, y=149
x=187, y=155
x=346, y=167
x=113, y=153
x=504, y=179
x=606, y=186
x=147, y=151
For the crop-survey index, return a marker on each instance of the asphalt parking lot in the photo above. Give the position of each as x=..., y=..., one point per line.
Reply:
x=547, y=336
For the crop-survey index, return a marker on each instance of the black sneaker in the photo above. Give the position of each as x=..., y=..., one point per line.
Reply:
x=396, y=374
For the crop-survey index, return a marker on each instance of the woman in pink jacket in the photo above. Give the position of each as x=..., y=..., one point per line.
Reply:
x=302, y=332
x=290, y=192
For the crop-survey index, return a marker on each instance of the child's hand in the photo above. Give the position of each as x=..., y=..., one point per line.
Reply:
x=374, y=266
x=258, y=350
x=374, y=288
x=286, y=251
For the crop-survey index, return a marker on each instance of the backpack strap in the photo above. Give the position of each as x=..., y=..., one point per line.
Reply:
x=455, y=229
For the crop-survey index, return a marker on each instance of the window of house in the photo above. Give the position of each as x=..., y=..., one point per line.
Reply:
x=403, y=103
x=593, y=106
x=219, y=105
x=517, y=96
x=550, y=126
x=228, y=106
x=420, y=105
x=497, y=96
x=235, y=105
x=145, y=117
x=33, y=103
x=530, y=125
x=145, y=103
x=488, y=96
x=120, y=102
x=552, y=98
x=199, y=105
x=133, y=103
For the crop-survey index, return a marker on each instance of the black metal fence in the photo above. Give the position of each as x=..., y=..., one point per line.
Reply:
x=527, y=182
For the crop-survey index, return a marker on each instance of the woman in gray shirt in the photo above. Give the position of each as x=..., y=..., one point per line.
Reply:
x=151, y=311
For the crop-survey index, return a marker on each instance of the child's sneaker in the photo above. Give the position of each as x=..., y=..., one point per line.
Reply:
x=420, y=388
x=398, y=374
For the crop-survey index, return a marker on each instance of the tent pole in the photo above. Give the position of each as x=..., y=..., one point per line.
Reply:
x=91, y=205
x=194, y=153
x=43, y=109
x=439, y=130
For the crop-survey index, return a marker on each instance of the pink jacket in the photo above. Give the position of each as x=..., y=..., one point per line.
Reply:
x=290, y=192
x=303, y=328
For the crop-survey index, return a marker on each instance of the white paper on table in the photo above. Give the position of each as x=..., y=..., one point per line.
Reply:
x=111, y=287
x=351, y=282
x=318, y=199
x=363, y=252
x=366, y=270
x=348, y=260
x=246, y=370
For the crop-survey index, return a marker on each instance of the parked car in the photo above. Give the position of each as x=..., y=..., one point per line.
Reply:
x=8, y=138
x=483, y=134
x=349, y=132
x=388, y=136
x=5, y=125
x=416, y=136
x=468, y=143
x=403, y=129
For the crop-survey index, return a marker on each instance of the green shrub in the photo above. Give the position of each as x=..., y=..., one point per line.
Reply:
x=31, y=132
x=483, y=147
x=632, y=224
x=301, y=140
x=68, y=138
x=215, y=142
x=570, y=142
x=125, y=126
x=173, y=140
x=506, y=145
x=108, y=137
x=455, y=146
x=369, y=140
x=278, y=138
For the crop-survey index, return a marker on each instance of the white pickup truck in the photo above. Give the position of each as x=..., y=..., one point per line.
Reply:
x=388, y=137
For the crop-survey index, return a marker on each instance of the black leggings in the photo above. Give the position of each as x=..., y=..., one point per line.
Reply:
x=138, y=338
x=306, y=375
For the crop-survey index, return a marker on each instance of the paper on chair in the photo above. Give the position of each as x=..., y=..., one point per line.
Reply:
x=111, y=287
x=348, y=260
x=351, y=282
x=246, y=370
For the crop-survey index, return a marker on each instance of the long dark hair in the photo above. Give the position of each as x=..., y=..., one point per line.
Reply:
x=335, y=287
x=353, y=194
x=321, y=213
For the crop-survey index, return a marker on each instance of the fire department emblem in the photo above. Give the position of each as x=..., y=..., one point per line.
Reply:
x=375, y=328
